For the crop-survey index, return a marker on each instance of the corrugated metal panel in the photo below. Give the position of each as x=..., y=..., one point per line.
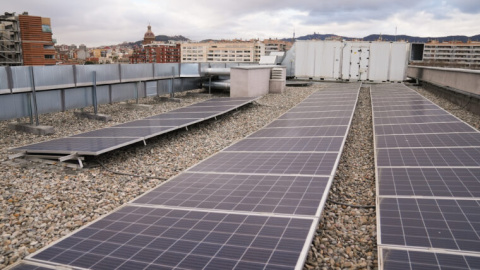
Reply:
x=4, y=89
x=151, y=88
x=137, y=72
x=305, y=58
x=14, y=106
x=166, y=70
x=78, y=98
x=399, y=61
x=379, y=61
x=21, y=79
x=122, y=92
x=189, y=70
x=327, y=60
x=105, y=74
x=49, y=101
x=53, y=77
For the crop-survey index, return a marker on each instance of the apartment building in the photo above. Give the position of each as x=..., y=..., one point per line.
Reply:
x=452, y=54
x=276, y=45
x=36, y=38
x=223, y=51
x=10, y=44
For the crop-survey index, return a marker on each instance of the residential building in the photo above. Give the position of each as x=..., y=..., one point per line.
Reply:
x=153, y=51
x=276, y=45
x=223, y=51
x=452, y=54
x=10, y=43
x=36, y=38
x=162, y=52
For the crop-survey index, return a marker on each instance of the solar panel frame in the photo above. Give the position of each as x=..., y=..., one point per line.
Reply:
x=391, y=258
x=440, y=176
x=428, y=157
x=78, y=145
x=450, y=224
x=137, y=132
x=162, y=237
x=429, y=182
x=290, y=163
x=309, y=144
x=436, y=140
x=426, y=128
x=277, y=194
x=332, y=121
x=300, y=132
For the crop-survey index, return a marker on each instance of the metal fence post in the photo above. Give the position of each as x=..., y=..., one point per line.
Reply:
x=172, y=94
x=94, y=92
x=34, y=96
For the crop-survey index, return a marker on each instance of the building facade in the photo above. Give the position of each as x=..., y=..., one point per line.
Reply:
x=37, y=43
x=223, y=51
x=10, y=42
x=162, y=53
x=452, y=54
x=275, y=45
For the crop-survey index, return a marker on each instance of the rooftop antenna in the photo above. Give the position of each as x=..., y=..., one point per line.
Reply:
x=293, y=39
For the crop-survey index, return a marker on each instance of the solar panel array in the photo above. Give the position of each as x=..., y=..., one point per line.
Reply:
x=99, y=141
x=254, y=205
x=428, y=183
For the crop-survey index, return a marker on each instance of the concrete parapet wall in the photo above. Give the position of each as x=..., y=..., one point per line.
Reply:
x=467, y=81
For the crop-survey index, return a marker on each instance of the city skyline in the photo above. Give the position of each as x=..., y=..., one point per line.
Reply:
x=108, y=22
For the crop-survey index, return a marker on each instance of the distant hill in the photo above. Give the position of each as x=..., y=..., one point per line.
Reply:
x=412, y=39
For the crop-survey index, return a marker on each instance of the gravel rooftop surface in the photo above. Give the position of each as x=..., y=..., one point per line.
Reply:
x=41, y=203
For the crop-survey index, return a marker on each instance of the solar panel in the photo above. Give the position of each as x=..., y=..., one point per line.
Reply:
x=194, y=115
x=428, y=157
x=429, y=182
x=423, y=128
x=306, y=115
x=199, y=109
x=118, y=132
x=81, y=146
x=300, y=132
x=406, y=107
x=410, y=259
x=295, y=195
x=429, y=140
x=103, y=140
x=408, y=113
x=314, y=144
x=416, y=119
x=254, y=205
x=164, y=238
x=269, y=163
x=429, y=223
x=338, y=121
x=321, y=108
x=159, y=123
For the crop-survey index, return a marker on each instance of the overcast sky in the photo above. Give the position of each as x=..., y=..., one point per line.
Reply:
x=107, y=22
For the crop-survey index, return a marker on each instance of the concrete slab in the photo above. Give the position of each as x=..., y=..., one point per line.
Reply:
x=98, y=116
x=33, y=129
x=135, y=106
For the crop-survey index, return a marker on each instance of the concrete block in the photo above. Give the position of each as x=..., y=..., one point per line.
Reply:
x=249, y=81
x=33, y=129
x=98, y=116
x=277, y=86
x=168, y=99
x=135, y=106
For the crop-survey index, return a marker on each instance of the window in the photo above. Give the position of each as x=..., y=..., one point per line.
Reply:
x=49, y=56
x=46, y=28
